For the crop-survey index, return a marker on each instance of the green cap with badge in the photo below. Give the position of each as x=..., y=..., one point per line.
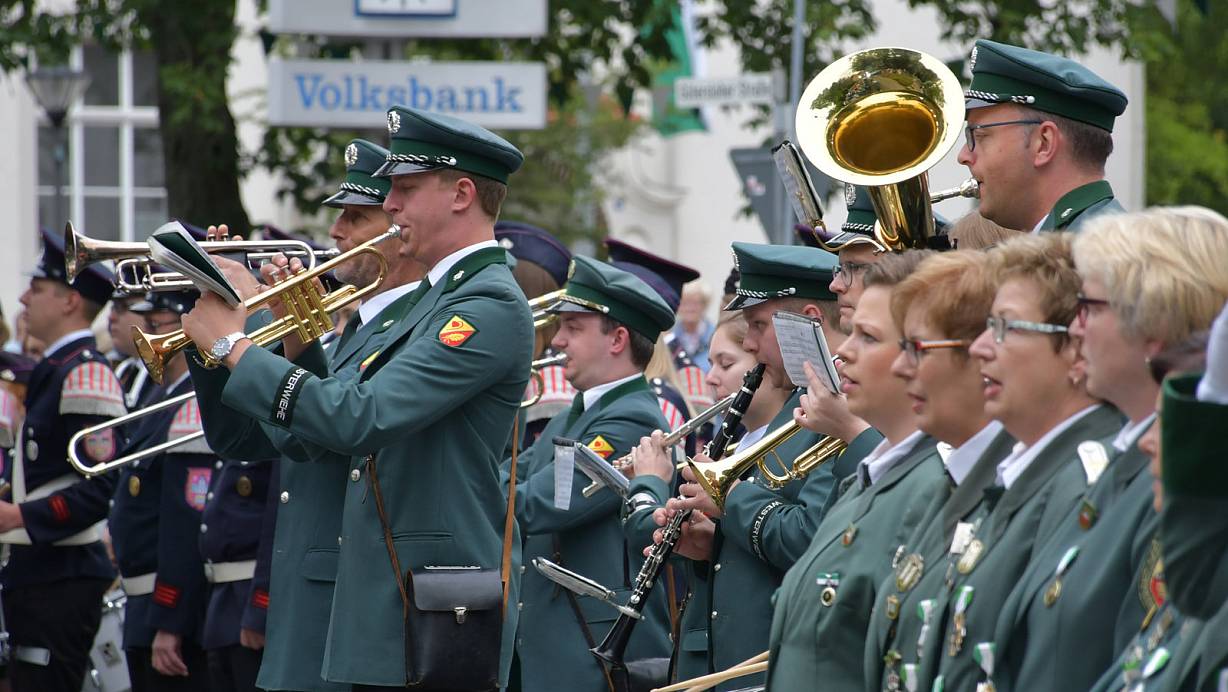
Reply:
x=1003, y=73
x=781, y=271
x=362, y=159
x=594, y=286
x=422, y=141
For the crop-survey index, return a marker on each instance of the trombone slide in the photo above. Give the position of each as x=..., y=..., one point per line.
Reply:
x=74, y=458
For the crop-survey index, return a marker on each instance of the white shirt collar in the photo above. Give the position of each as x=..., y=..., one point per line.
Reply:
x=592, y=394
x=442, y=267
x=884, y=458
x=1040, y=223
x=752, y=437
x=1021, y=457
x=373, y=306
x=66, y=340
x=1130, y=432
x=964, y=457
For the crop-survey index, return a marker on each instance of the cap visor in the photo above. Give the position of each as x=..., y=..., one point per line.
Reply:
x=970, y=103
x=846, y=239
x=391, y=168
x=141, y=307
x=739, y=302
x=344, y=197
x=564, y=306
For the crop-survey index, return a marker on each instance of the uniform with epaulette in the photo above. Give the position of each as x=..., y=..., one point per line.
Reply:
x=310, y=491
x=587, y=534
x=901, y=618
x=57, y=568
x=763, y=532
x=1088, y=589
x=1006, y=526
x=232, y=533
x=430, y=413
x=154, y=523
x=825, y=601
x=1003, y=73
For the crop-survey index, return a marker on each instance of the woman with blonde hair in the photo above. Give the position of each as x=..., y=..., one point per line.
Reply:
x=1150, y=279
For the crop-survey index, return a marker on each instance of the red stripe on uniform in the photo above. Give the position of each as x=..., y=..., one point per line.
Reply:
x=59, y=508
x=260, y=599
x=166, y=595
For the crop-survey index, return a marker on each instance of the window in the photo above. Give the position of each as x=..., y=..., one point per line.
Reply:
x=112, y=167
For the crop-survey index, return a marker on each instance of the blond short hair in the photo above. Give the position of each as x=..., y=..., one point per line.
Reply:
x=1046, y=260
x=975, y=232
x=954, y=290
x=1165, y=269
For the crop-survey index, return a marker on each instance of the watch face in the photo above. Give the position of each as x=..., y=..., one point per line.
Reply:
x=221, y=348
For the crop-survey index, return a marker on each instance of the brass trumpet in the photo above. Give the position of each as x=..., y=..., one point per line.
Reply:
x=717, y=477
x=74, y=458
x=134, y=259
x=541, y=308
x=308, y=312
x=535, y=376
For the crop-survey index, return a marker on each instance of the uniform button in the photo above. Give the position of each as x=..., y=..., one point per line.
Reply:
x=209, y=496
x=716, y=567
x=244, y=463
x=218, y=465
x=111, y=503
x=714, y=615
x=204, y=528
x=285, y=496
x=338, y=540
x=520, y=606
x=355, y=475
x=522, y=569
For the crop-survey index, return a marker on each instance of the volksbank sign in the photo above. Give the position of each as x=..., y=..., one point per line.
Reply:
x=332, y=93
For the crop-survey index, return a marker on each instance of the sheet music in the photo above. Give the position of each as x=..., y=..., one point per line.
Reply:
x=564, y=472
x=801, y=340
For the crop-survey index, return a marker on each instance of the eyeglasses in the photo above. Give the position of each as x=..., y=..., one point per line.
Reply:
x=913, y=348
x=847, y=271
x=1085, y=306
x=969, y=129
x=999, y=326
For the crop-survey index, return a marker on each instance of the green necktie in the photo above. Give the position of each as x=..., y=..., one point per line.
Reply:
x=577, y=408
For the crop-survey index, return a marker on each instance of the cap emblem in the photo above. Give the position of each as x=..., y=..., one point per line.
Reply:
x=394, y=122
x=351, y=152
x=506, y=243
x=850, y=194
x=972, y=59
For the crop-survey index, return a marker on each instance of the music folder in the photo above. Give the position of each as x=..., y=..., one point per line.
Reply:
x=171, y=245
x=601, y=471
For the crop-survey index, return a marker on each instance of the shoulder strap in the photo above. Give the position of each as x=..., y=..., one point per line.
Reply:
x=509, y=518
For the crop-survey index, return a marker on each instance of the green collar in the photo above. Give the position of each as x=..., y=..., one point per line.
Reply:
x=473, y=263
x=396, y=310
x=1075, y=202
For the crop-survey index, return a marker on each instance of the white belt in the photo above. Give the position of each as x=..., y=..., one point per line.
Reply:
x=223, y=572
x=92, y=534
x=140, y=585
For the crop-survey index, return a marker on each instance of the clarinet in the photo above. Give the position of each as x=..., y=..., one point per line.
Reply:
x=613, y=648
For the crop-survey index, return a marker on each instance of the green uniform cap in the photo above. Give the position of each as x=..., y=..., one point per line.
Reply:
x=858, y=228
x=594, y=286
x=1049, y=83
x=362, y=159
x=781, y=271
x=422, y=141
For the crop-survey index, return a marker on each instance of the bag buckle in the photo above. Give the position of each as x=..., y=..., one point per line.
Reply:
x=460, y=614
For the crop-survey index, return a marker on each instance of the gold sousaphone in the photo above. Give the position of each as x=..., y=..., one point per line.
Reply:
x=881, y=118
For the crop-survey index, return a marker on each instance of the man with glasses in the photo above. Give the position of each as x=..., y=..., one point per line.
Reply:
x=1038, y=134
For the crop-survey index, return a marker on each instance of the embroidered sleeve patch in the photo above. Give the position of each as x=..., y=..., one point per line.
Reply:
x=186, y=422
x=287, y=394
x=260, y=599
x=166, y=595
x=600, y=447
x=196, y=488
x=456, y=332
x=59, y=508
x=100, y=446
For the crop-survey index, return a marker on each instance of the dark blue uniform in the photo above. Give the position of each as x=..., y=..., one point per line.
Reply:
x=155, y=521
x=53, y=593
x=237, y=547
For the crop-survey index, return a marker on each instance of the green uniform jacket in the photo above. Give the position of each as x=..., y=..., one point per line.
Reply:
x=824, y=604
x=1058, y=632
x=587, y=538
x=1081, y=204
x=728, y=616
x=1194, y=523
x=434, y=408
x=897, y=619
x=304, y=561
x=1009, y=523
x=1160, y=657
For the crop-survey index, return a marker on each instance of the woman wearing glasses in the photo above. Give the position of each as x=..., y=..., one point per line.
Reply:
x=1150, y=279
x=941, y=309
x=823, y=606
x=1034, y=385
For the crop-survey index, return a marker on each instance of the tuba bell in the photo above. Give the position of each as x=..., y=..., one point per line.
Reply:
x=881, y=118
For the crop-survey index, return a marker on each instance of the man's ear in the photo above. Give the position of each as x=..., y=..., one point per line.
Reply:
x=73, y=302
x=1045, y=141
x=620, y=340
x=464, y=194
x=812, y=311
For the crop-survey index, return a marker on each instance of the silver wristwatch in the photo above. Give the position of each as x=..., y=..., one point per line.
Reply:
x=223, y=346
